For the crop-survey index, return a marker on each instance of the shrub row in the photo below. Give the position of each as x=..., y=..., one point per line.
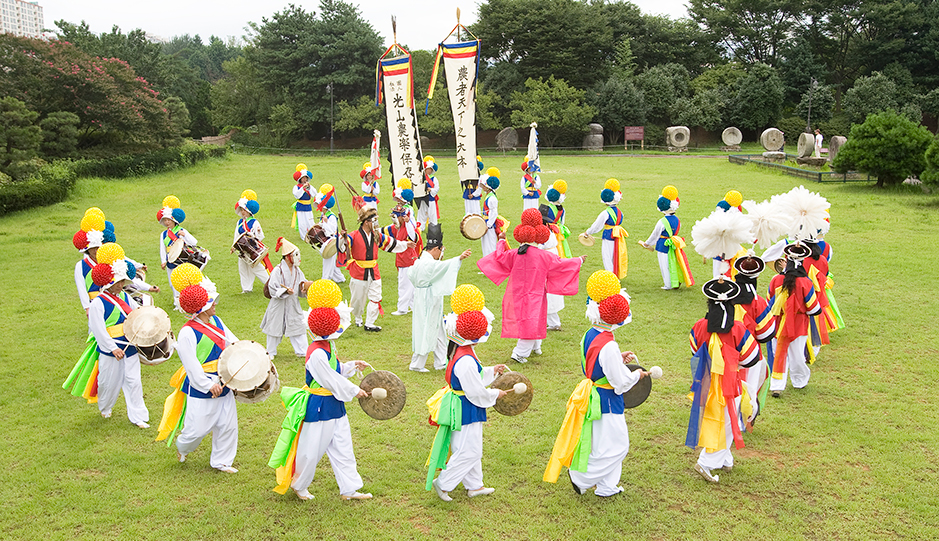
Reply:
x=51, y=184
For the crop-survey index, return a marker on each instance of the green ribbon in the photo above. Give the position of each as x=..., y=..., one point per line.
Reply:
x=83, y=368
x=295, y=400
x=450, y=418
x=582, y=452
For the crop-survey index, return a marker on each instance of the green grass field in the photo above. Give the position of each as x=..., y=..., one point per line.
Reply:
x=853, y=456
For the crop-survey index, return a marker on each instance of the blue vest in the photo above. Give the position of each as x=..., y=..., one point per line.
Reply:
x=612, y=218
x=610, y=402
x=471, y=412
x=114, y=316
x=675, y=225
x=206, y=350
x=323, y=408
x=303, y=204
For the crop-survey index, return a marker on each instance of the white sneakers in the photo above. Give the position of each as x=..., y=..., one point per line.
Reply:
x=143, y=424
x=303, y=495
x=419, y=370
x=442, y=494
x=520, y=360
x=180, y=457
x=356, y=496
x=227, y=469
x=484, y=491
x=400, y=312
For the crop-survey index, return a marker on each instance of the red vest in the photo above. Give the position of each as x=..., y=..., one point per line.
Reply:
x=407, y=257
x=360, y=250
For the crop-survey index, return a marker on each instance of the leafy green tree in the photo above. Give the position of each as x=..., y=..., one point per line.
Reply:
x=756, y=103
x=20, y=138
x=722, y=77
x=662, y=86
x=798, y=65
x=59, y=134
x=869, y=95
x=561, y=38
x=360, y=117
x=822, y=100
x=704, y=110
x=240, y=99
x=619, y=103
x=556, y=106
x=179, y=118
x=753, y=31
x=931, y=174
x=660, y=40
x=887, y=145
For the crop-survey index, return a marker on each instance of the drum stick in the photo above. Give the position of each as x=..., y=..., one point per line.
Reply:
x=235, y=374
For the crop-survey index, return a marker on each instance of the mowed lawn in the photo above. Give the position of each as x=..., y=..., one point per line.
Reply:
x=853, y=456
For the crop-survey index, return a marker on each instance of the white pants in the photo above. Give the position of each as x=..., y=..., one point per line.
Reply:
x=218, y=416
x=298, y=342
x=489, y=241
x=721, y=457
x=248, y=272
x=529, y=204
x=419, y=360
x=305, y=221
x=555, y=305
x=169, y=280
x=334, y=439
x=554, y=319
x=116, y=375
x=756, y=375
x=796, y=367
x=427, y=214
x=524, y=348
x=466, y=459
x=331, y=271
x=405, y=290
x=609, y=446
x=363, y=290
x=471, y=206
x=663, y=268
x=608, y=252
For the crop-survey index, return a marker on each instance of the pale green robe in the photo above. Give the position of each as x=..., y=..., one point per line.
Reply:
x=432, y=280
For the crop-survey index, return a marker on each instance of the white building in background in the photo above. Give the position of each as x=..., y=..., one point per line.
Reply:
x=21, y=18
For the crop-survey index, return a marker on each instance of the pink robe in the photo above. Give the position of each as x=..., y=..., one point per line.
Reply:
x=531, y=277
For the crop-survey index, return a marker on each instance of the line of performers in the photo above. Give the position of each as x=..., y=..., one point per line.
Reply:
x=729, y=371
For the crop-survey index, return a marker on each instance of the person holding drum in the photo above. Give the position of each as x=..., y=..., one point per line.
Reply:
x=283, y=316
x=489, y=184
x=115, y=365
x=433, y=277
x=316, y=422
x=610, y=221
x=303, y=207
x=250, y=228
x=720, y=346
x=170, y=217
x=208, y=404
x=365, y=280
x=325, y=201
x=466, y=393
x=594, y=453
x=428, y=211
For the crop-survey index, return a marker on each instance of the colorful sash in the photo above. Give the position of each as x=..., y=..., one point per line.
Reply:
x=284, y=457
x=706, y=427
x=445, y=408
x=677, y=260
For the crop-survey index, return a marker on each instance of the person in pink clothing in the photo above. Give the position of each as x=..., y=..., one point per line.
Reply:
x=532, y=273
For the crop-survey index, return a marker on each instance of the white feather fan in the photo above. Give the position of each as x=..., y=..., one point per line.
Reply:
x=805, y=211
x=768, y=223
x=721, y=234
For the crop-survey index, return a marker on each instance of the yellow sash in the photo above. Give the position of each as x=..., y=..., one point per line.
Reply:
x=115, y=331
x=366, y=264
x=713, y=435
x=175, y=403
x=621, y=257
x=569, y=434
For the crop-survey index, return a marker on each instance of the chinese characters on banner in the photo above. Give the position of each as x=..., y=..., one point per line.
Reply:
x=460, y=61
x=403, y=136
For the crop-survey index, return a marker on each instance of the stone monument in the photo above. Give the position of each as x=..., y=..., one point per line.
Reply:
x=732, y=138
x=594, y=138
x=834, y=145
x=507, y=139
x=773, y=141
x=677, y=137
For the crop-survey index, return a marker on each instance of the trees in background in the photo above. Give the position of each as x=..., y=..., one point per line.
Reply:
x=887, y=145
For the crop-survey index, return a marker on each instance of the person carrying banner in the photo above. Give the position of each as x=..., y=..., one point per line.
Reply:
x=316, y=422
x=593, y=440
x=433, y=278
x=459, y=408
x=246, y=207
x=365, y=279
x=404, y=229
x=530, y=184
x=613, y=249
x=200, y=404
x=371, y=174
